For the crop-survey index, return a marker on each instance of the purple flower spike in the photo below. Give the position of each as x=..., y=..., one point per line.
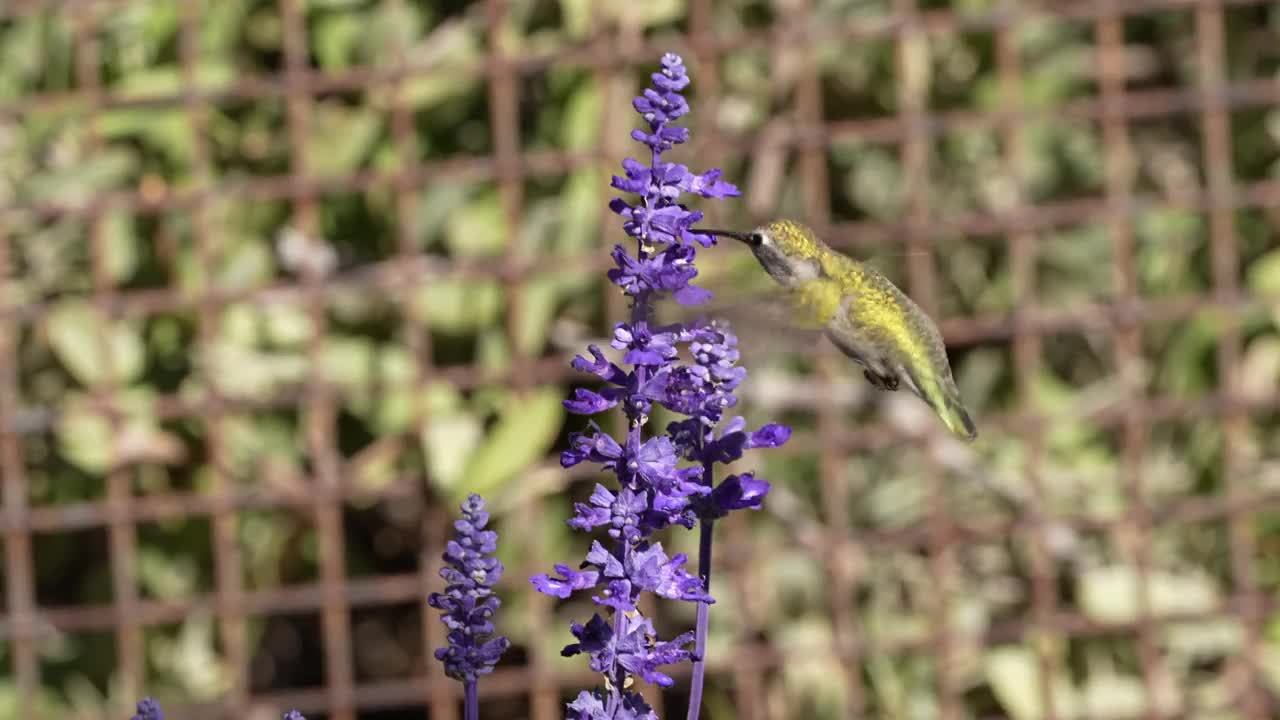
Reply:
x=148, y=709
x=293, y=715
x=661, y=480
x=468, y=602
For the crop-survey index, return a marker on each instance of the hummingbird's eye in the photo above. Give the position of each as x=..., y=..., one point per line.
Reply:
x=757, y=239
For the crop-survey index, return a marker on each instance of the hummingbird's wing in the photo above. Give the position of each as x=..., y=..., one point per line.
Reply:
x=764, y=321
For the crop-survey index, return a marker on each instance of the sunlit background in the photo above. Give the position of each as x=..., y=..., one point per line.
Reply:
x=285, y=280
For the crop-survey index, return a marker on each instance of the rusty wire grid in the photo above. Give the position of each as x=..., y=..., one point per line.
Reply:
x=325, y=498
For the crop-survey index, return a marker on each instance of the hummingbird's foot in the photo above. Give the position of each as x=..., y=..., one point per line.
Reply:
x=881, y=382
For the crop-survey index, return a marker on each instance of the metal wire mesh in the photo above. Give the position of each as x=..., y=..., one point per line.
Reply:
x=106, y=527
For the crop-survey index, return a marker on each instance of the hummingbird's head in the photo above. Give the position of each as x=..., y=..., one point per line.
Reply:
x=788, y=250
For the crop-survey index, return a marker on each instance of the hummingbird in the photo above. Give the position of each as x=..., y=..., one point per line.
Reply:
x=863, y=314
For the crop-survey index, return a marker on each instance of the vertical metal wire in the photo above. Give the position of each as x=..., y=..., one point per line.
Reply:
x=228, y=563
x=121, y=532
x=439, y=695
x=319, y=411
x=504, y=120
x=1215, y=127
x=1027, y=364
x=1132, y=533
x=19, y=573
x=913, y=81
x=842, y=564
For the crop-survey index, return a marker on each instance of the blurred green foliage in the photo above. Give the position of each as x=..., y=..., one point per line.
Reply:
x=498, y=433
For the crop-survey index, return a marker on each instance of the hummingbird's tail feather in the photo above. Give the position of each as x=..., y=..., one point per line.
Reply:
x=944, y=398
x=957, y=419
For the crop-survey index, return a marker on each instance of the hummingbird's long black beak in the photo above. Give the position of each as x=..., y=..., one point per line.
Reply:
x=739, y=236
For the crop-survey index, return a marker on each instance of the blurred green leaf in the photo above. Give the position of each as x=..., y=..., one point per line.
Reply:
x=337, y=38
x=1109, y=594
x=1260, y=367
x=107, y=169
x=95, y=351
x=245, y=263
x=341, y=138
x=45, y=702
x=348, y=362
x=580, y=211
x=169, y=131
x=522, y=434
x=166, y=576
x=120, y=245
x=192, y=658
x=286, y=325
x=580, y=124
x=647, y=14
x=450, y=48
x=1184, y=363
x=97, y=441
x=1270, y=663
x=812, y=674
x=449, y=437
x=540, y=300
x=1110, y=692
x=436, y=206
x=456, y=305
x=493, y=350
x=1015, y=677
x=1264, y=279
x=479, y=228
x=577, y=17
x=241, y=372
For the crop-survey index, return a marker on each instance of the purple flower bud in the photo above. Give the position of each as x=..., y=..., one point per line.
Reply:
x=587, y=402
x=770, y=436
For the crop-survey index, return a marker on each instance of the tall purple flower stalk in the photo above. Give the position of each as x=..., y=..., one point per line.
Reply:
x=665, y=479
x=468, y=603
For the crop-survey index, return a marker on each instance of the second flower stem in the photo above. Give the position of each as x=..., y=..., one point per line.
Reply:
x=700, y=633
x=471, y=700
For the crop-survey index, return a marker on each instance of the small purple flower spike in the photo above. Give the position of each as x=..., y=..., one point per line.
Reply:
x=468, y=602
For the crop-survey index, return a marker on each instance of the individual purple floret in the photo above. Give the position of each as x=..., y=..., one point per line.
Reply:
x=148, y=709
x=662, y=480
x=468, y=602
x=594, y=706
x=293, y=715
